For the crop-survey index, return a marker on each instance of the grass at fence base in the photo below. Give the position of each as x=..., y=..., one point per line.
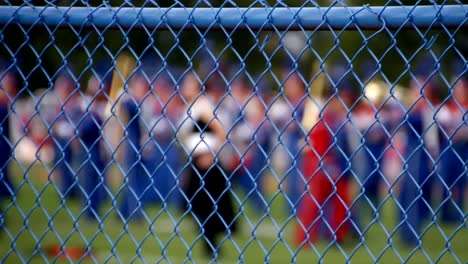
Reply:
x=37, y=219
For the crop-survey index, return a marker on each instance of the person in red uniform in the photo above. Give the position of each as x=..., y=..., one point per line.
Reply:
x=326, y=172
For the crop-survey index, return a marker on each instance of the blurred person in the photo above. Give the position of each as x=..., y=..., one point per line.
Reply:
x=92, y=159
x=66, y=104
x=325, y=205
x=372, y=118
x=37, y=128
x=454, y=149
x=421, y=150
x=250, y=137
x=162, y=111
x=286, y=113
x=135, y=181
x=217, y=94
x=149, y=108
x=8, y=89
x=206, y=190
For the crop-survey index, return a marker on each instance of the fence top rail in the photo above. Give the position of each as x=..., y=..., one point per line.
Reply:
x=284, y=18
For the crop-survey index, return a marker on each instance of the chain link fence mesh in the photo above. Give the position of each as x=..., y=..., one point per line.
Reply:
x=233, y=132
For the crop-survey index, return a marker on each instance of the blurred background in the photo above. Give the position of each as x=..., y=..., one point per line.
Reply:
x=269, y=90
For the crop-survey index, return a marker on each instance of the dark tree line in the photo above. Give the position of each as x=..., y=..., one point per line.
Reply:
x=40, y=52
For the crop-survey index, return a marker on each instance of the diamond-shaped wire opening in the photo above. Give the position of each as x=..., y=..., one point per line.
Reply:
x=392, y=111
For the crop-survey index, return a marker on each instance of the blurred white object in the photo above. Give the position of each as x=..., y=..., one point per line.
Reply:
x=279, y=111
x=199, y=143
x=294, y=41
x=27, y=152
x=377, y=92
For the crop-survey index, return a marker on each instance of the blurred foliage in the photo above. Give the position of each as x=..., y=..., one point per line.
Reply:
x=40, y=52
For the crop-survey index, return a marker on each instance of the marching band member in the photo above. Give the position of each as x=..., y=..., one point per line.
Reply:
x=371, y=118
x=454, y=150
x=207, y=188
x=250, y=138
x=286, y=113
x=162, y=111
x=326, y=170
x=417, y=181
x=8, y=90
x=135, y=181
x=326, y=177
x=92, y=165
x=63, y=124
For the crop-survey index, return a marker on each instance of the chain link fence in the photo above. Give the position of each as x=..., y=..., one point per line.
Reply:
x=233, y=132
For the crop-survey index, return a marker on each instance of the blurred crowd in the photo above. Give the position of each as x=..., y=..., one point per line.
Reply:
x=336, y=149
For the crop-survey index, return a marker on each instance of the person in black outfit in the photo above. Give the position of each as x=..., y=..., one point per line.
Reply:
x=207, y=189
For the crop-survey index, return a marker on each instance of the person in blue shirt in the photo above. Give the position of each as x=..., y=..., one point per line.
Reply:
x=372, y=119
x=135, y=180
x=92, y=165
x=454, y=148
x=287, y=113
x=420, y=152
x=250, y=140
x=63, y=124
x=162, y=157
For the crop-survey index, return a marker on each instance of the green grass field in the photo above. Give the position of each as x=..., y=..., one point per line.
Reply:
x=37, y=219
